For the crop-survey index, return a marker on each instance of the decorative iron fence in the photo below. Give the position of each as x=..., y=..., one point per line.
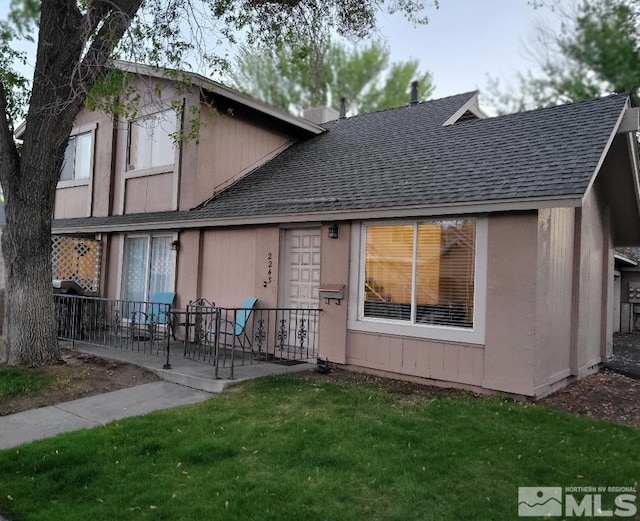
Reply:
x=223, y=337
x=231, y=337
x=124, y=324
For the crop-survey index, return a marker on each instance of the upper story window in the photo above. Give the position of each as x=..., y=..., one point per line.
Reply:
x=78, y=158
x=422, y=278
x=151, y=143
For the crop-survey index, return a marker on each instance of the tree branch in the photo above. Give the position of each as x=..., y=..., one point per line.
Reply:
x=9, y=157
x=113, y=28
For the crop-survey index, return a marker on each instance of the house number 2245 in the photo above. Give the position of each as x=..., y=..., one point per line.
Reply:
x=269, y=269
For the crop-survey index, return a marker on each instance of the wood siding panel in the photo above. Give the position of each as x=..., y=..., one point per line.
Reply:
x=233, y=260
x=458, y=363
x=71, y=202
x=149, y=194
x=229, y=148
x=554, y=294
x=511, y=303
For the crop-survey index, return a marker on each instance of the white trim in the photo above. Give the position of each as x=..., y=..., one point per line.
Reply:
x=72, y=183
x=605, y=151
x=357, y=322
x=407, y=212
x=471, y=106
x=146, y=172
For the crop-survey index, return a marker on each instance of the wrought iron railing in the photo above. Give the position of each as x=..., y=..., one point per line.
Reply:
x=124, y=324
x=231, y=337
x=223, y=337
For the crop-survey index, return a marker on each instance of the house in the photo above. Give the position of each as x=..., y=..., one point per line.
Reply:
x=626, y=291
x=448, y=247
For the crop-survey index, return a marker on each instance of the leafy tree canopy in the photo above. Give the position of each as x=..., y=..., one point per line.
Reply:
x=596, y=52
x=296, y=76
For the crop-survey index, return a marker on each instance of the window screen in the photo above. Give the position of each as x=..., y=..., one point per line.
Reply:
x=421, y=273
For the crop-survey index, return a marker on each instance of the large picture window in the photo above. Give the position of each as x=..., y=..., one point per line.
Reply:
x=147, y=267
x=78, y=157
x=151, y=141
x=420, y=273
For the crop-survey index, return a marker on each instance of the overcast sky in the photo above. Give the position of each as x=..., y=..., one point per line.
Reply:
x=465, y=41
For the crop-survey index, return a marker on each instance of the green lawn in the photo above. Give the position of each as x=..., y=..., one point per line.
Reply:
x=17, y=380
x=296, y=448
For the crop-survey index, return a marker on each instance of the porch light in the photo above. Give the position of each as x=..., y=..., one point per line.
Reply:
x=333, y=231
x=175, y=245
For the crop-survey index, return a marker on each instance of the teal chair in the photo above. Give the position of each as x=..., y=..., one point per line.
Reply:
x=159, y=313
x=238, y=327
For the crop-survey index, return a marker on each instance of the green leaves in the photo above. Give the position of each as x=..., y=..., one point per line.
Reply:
x=300, y=75
x=596, y=53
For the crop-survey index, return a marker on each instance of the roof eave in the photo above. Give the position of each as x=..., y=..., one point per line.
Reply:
x=226, y=92
x=527, y=204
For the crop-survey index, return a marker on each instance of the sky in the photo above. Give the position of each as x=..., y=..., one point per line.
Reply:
x=464, y=42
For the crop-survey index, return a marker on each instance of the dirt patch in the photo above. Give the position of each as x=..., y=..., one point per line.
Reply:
x=606, y=395
x=79, y=375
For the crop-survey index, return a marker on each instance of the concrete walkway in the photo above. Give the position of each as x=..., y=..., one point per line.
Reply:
x=84, y=413
x=187, y=382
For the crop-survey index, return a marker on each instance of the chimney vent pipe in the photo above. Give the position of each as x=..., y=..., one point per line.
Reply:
x=343, y=107
x=414, y=92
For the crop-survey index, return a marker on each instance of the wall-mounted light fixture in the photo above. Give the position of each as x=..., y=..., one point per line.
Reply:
x=333, y=231
x=175, y=245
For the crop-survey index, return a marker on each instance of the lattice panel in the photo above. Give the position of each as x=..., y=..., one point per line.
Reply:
x=78, y=260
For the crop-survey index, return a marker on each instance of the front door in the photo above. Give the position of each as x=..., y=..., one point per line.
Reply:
x=302, y=278
x=300, y=292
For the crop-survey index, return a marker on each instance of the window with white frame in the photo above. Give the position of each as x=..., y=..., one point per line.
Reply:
x=151, y=141
x=147, y=266
x=419, y=273
x=78, y=157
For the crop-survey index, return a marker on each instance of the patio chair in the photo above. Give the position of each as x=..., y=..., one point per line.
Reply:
x=238, y=327
x=158, y=314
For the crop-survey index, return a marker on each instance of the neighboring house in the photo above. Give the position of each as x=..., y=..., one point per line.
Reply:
x=473, y=252
x=626, y=291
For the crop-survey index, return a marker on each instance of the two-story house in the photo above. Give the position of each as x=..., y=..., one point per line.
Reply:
x=464, y=250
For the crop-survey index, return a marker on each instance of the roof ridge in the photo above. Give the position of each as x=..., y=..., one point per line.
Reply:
x=560, y=106
x=408, y=105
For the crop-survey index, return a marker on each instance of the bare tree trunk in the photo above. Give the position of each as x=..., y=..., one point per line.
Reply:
x=31, y=322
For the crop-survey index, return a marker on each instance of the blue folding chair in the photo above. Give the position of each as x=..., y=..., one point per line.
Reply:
x=159, y=311
x=237, y=327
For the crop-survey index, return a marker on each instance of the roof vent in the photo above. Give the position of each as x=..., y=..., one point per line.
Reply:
x=414, y=92
x=343, y=107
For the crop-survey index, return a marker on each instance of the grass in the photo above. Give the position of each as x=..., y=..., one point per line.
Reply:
x=15, y=381
x=300, y=448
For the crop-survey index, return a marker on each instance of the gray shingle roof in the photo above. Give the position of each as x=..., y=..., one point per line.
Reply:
x=404, y=157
